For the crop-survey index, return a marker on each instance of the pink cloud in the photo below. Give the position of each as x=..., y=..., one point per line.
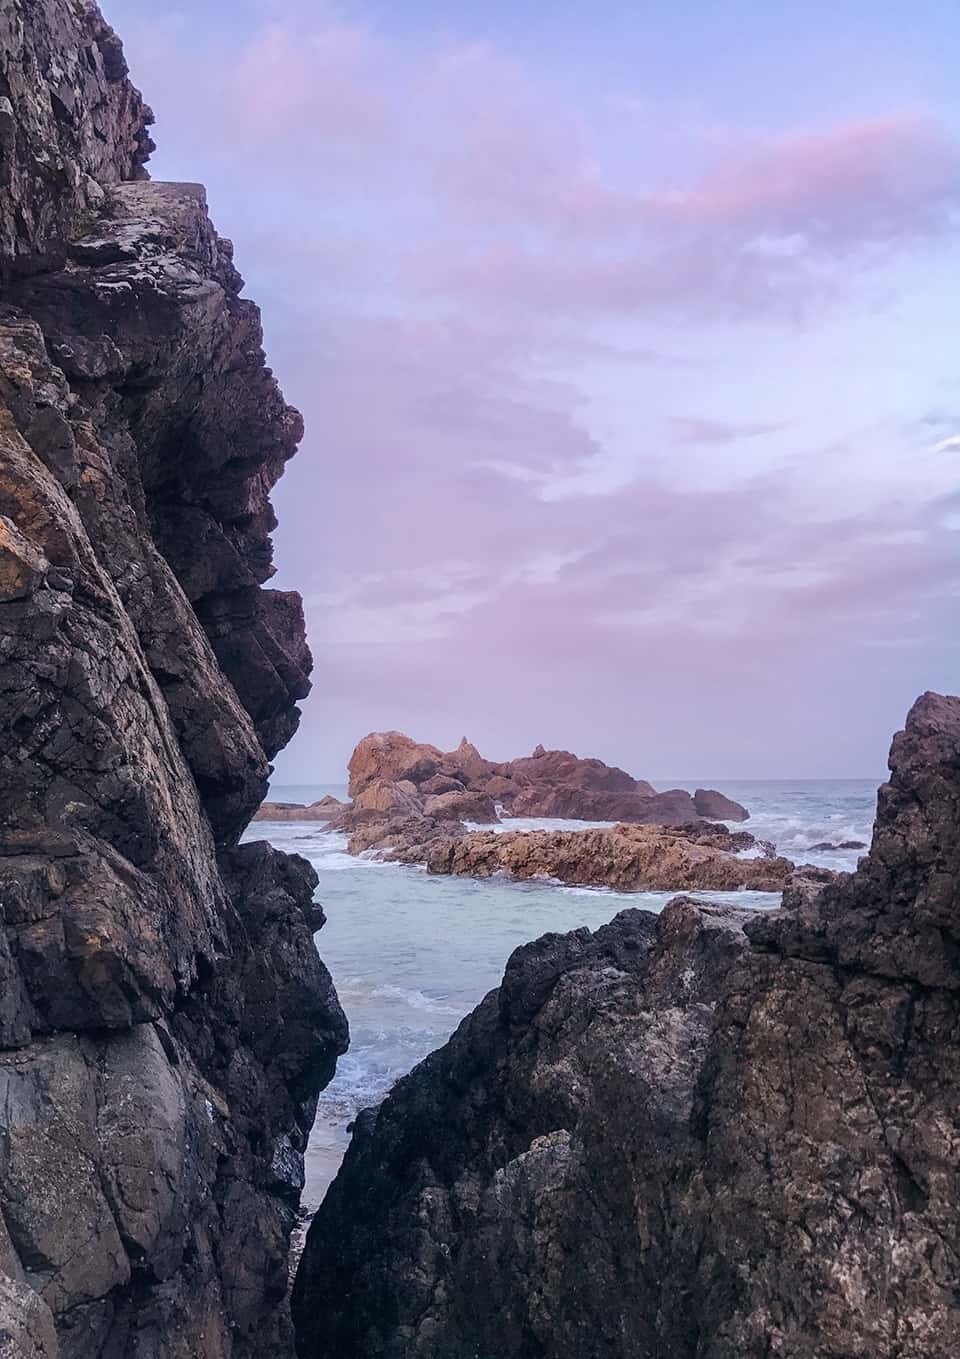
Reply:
x=318, y=85
x=472, y=300
x=891, y=177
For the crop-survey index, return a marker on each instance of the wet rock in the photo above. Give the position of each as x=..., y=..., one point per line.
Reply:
x=404, y=839
x=627, y=858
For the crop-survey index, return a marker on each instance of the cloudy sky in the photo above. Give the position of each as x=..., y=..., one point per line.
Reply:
x=626, y=337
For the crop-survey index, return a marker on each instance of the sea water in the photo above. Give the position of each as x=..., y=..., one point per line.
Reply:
x=411, y=954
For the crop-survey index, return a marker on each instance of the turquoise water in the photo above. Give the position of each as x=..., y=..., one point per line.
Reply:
x=412, y=954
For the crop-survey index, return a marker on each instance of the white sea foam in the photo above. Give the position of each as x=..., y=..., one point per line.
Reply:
x=414, y=998
x=412, y=952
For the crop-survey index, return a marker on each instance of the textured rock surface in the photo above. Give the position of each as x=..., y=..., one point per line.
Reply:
x=326, y=809
x=71, y=124
x=165, y=1021
x=704, y=1135
x=628, y=858
x=551, y=783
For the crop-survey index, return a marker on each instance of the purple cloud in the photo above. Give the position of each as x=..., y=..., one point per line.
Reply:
x=604, y=448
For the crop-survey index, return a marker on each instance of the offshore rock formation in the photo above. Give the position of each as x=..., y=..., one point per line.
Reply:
x=705, y=1135
x=626, y=858
x=326, y=809
x=551, y=783
x=165, y=1022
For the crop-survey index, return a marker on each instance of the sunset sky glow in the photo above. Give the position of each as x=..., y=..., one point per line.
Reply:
x=626, y=340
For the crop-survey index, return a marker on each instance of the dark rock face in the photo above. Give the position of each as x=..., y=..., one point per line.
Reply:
x=71, y=124
x=165, y=1021
x=703, y=1135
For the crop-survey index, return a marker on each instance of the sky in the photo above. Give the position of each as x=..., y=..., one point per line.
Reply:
x=626, y=340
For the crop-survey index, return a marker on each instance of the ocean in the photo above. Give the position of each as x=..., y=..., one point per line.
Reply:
x=411, y=954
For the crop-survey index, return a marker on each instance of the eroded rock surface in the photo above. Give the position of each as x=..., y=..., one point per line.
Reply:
x=548, y=783
x=704, y=1135
x=165, y=1021
x=627, y=858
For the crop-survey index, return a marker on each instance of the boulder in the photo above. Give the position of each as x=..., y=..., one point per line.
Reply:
x=441, y=783
x=461, y=807
x=504, y=789
x=403, y=839
x=715, y=806
x=389, y=756
x=391, y=799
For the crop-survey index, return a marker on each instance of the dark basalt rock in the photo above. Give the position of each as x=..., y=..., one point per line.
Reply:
x=165, y=1021
x=703, y=1135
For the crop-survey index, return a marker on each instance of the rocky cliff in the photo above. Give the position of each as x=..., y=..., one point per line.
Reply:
x=705, y=1135
x=165, y=1021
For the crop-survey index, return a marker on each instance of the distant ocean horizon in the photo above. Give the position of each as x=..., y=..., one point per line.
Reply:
x=308, y=792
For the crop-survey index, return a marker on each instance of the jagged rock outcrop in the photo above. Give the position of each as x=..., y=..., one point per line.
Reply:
x=548, y=783
x=464, y=806
x=327, y=808
x=708, y=1134
x=628, y=858
x=71, y=125
x=165, y=1021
